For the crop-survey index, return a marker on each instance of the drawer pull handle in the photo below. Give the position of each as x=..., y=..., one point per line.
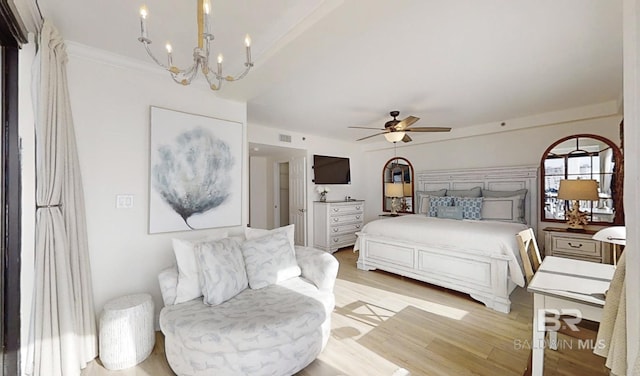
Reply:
x=335, y=240
x=357, y=217
x=357, y=208
x=357, y=226
x=336, y=210
x=336, y=229
x=336, y=219
x=575, y=246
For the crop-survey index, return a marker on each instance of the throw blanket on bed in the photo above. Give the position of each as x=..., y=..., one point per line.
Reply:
x=483, y=237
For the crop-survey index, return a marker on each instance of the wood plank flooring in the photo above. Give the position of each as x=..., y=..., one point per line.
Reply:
x=383, y=322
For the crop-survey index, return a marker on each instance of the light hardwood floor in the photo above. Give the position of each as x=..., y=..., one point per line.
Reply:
x=383, y=322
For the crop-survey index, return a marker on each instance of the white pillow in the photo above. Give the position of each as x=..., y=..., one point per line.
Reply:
x=507, y=209
x=252, y=233
x=269, y=259
x=223, y=274
x=188, y=287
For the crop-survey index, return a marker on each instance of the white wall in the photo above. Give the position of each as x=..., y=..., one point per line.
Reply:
x=110, y=105
x=512, y=148
x=259, y=198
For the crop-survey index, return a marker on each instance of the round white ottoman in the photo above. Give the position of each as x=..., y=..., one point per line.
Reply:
x=127, y=335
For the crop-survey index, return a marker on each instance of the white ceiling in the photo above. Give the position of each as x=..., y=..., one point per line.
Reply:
x=323, y=65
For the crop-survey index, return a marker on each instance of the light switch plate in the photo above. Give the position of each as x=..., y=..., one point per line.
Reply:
x=124, y=201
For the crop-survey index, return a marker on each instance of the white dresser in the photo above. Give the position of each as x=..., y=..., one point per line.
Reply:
x=335, y=223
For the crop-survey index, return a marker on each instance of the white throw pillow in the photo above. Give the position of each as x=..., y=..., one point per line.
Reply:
x=188, y=287
x=269, y=259
x=223, y=274
x=507, y=209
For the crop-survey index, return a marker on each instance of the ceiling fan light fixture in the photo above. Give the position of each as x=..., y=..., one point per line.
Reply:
x=394, y=136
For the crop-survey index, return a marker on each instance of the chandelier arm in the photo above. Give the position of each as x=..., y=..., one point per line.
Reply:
x=211, y=78
x=236, y=78
x=146, y=47
x=184, y=77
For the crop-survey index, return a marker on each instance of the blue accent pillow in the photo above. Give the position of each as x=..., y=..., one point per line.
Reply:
x=471, y=206
x=435, y=202
x=450, y=212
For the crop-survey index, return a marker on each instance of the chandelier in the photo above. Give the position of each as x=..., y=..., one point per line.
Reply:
x=200, y=53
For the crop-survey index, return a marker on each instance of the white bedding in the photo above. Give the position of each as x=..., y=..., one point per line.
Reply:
x=486, y=237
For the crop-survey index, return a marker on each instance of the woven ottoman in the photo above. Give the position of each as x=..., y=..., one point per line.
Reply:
x=127, y=335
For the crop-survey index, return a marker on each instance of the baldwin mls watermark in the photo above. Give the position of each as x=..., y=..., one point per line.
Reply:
x=551, y=320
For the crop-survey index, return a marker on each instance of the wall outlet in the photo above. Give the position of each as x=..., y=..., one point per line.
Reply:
x=124, y=201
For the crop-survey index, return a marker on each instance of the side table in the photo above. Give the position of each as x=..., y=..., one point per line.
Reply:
x=126, y=335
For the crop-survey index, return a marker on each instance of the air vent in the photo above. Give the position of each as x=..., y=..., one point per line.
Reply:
x=285, y=138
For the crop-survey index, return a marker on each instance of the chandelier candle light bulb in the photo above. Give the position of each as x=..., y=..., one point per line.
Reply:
x=169, y=57
x=207, y=9
x=143, y=21
x=247, y=43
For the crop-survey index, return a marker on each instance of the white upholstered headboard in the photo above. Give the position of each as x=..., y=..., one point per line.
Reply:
x=495, y=178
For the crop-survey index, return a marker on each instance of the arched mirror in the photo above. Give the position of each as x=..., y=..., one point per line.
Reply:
x=583, y=156
x=397, y=186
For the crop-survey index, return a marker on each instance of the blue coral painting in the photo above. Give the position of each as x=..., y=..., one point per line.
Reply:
x=195, y=172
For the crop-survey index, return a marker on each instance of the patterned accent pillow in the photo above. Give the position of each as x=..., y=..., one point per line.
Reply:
x=223, y=272
x=269, y=259
x=422, y=198
x=188, y=287
x=471, y=206
x=289, y=230
x=434, y=202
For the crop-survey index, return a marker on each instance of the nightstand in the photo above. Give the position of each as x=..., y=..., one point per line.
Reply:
x=576, y=245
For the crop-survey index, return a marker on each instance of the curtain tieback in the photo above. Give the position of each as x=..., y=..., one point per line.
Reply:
x=48, y=206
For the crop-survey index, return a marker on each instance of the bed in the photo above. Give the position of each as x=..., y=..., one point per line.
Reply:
x=477, y=257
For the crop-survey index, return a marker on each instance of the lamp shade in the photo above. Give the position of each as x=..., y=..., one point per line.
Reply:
x=407, y=189
x=394, y=136
x=613, y=234
x=393, y=189
x=578, y=190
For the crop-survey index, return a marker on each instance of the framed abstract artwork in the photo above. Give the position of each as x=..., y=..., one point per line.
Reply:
x=195, y=177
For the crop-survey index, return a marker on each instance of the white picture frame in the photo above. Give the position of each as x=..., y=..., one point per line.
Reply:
x=195, y=172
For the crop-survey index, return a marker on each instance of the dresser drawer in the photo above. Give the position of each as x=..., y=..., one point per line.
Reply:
x=346, y=239
x=345, y=209
x=581, y=247
x=345, y=219
x=340, y=228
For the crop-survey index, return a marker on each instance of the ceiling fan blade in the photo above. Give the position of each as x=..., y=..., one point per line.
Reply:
x=428, y=129
x=378, y=129
x=373, y=135
x=406, y=138
x=406, y=123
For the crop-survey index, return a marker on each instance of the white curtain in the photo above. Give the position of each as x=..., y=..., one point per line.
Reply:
x=62, y=337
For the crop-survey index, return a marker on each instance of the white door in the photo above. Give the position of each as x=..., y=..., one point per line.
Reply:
x=298, y=198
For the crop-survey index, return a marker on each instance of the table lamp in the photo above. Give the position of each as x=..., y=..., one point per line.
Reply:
x=394, y=191
x=616, y=235
x=576, y=190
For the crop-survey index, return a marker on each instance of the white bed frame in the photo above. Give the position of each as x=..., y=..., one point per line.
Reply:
x=484, y=277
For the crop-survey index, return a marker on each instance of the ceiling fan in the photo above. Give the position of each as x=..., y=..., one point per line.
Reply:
x=394, y=130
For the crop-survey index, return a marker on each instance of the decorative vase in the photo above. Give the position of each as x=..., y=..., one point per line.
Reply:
x=323, y=196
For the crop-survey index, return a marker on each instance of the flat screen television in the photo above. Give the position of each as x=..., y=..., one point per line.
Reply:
x=331, y=170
